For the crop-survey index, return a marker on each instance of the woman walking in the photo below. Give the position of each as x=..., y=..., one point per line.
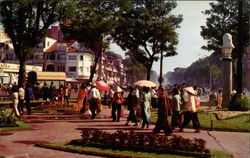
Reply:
x=117, y=104
x=219, y=99
x=131, y=101
x=82, y=95
x=163, y=110
x=176, y=104
x=145, y=106
x=191, y=113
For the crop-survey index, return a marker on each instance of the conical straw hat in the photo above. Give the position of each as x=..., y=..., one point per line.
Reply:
x=190, y=90
x=118, y=89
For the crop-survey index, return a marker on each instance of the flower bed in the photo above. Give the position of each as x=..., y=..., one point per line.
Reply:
x=143, y=142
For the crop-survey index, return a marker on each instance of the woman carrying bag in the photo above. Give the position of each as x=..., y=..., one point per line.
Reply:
x=163, y=113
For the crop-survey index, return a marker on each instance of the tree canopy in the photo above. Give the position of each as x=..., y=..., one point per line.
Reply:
x=228, y=16
x=91, y=23
x=223, y=18
x=26, y=23
x=148, y=26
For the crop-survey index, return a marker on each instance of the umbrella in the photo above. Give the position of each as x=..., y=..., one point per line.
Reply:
x=145, y=83
x=101, y=85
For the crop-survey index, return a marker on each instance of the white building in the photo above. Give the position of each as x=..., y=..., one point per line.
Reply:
x=72, y=58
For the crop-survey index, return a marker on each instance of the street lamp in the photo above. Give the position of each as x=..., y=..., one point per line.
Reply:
x=160, y=79
x=227, y=68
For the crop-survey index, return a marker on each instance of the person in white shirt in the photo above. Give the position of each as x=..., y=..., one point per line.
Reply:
x=153, y=97
x=21, y=97
x=94, y=99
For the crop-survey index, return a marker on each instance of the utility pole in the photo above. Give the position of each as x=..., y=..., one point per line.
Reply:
x=160, y=78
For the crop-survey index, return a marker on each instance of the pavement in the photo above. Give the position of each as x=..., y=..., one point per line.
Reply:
x=59, y=127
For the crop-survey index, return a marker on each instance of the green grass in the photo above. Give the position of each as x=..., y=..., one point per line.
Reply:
x=22, y=126
x=73, y=100
x=100, y=151
x=45, y=110
x=236, y=124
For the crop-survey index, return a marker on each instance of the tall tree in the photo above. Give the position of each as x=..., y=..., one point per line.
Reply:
x=91, y=24
x=228, y=16
x=148, y=25
x=26, y=23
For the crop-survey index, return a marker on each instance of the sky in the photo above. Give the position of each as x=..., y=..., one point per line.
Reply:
x=190, y=42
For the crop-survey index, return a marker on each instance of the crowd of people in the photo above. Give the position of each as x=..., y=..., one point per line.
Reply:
x=21, y=96
x=139, y=101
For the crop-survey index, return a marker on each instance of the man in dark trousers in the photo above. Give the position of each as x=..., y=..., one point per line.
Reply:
x=29, y=95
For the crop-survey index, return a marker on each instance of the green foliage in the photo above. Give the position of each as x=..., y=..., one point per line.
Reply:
x=26, y=23
x=6, y=119
x=65, y=146
x=90, y=23
x=21, y=125
x=198, y=73
x=223, y=18
x=138, y=141
x=239, y=103
x=147, y=26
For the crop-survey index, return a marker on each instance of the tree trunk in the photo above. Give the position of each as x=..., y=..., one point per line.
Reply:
x=22, y=73
x=149, y=67
x=93, y=68
x=240, y=48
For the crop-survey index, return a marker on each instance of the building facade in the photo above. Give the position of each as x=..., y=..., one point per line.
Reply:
x=54, y=54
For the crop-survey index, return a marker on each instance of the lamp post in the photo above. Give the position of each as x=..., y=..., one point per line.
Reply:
x=227, y=69
x=160, y=79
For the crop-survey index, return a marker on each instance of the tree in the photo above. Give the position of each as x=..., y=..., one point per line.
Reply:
x=91, y=24
x=26, y=23
x=135, y=70
x=148, y=26
x=228, y=16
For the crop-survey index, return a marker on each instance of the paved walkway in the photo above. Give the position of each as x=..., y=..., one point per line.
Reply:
x=61, y=127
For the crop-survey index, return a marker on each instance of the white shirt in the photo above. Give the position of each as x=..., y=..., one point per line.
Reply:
x=94, y=94
x=21, y=93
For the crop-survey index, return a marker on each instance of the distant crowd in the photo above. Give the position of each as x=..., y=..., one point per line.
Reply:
x=178, y=101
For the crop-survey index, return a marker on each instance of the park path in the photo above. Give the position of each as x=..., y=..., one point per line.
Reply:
x=60, y=127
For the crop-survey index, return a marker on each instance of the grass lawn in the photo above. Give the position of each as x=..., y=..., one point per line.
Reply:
x=45, y=110
x=236, y=124
x=102, y=152
x=22, y=125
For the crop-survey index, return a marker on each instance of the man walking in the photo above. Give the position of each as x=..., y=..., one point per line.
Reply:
x=94, y=97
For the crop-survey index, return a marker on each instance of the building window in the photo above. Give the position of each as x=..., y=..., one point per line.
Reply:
x=60, y=68
x=61, y=57
x=81, y=69
x=47, y=43
x=72, y=57
x=72, y=69
x=52, y=57
x=87, y=69
x=37, y=57
x=9, y=57
x=81, y=57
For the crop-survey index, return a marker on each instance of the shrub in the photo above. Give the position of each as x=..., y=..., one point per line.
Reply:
x=239, y=103
x=6, y=119
x=141, y=141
